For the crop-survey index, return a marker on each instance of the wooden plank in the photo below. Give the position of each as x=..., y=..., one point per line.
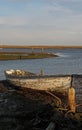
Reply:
x=77, y=84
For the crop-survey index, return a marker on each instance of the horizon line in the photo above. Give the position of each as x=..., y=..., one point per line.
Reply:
x=39, y=46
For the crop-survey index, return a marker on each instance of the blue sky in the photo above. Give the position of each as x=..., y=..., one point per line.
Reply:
x=41, y=22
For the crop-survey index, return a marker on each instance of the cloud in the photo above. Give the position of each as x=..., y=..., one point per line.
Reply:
x=71, y=0
x=40, y=21
x=57, y=8
x=14, y=20
x=51, y=1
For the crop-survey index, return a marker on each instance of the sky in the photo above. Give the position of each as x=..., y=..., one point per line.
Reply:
x=41, y=22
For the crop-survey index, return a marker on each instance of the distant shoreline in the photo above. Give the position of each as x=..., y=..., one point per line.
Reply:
x=40, y=47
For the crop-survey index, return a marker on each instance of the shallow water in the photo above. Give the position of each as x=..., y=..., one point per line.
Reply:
x=68, y=62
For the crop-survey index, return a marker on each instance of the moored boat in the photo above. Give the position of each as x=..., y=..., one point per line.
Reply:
x=59, y=83
x=42, y=82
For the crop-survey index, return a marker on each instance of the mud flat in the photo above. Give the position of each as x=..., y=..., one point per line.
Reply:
x=28, y=109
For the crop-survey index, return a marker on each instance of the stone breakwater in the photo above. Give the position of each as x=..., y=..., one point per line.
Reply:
x=59, y=83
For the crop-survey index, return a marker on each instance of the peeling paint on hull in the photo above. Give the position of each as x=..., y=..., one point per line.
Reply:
x=59, y=83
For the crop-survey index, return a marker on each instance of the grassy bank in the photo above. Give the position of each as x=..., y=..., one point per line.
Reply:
x=19, y=55
x=39, y=47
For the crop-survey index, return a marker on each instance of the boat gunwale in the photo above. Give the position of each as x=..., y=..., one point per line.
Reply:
x=35, y=77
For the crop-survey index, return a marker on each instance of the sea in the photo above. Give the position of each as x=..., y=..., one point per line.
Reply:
x=68, y=62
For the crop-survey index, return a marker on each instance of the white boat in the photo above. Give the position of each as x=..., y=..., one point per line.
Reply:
x=59, y=83
x=42, y=82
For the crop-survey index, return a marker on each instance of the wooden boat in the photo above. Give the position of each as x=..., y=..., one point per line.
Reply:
x=59, y=83
x=42, y=82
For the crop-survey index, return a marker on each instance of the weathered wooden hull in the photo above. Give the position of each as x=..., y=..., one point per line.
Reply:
x=60, y=83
